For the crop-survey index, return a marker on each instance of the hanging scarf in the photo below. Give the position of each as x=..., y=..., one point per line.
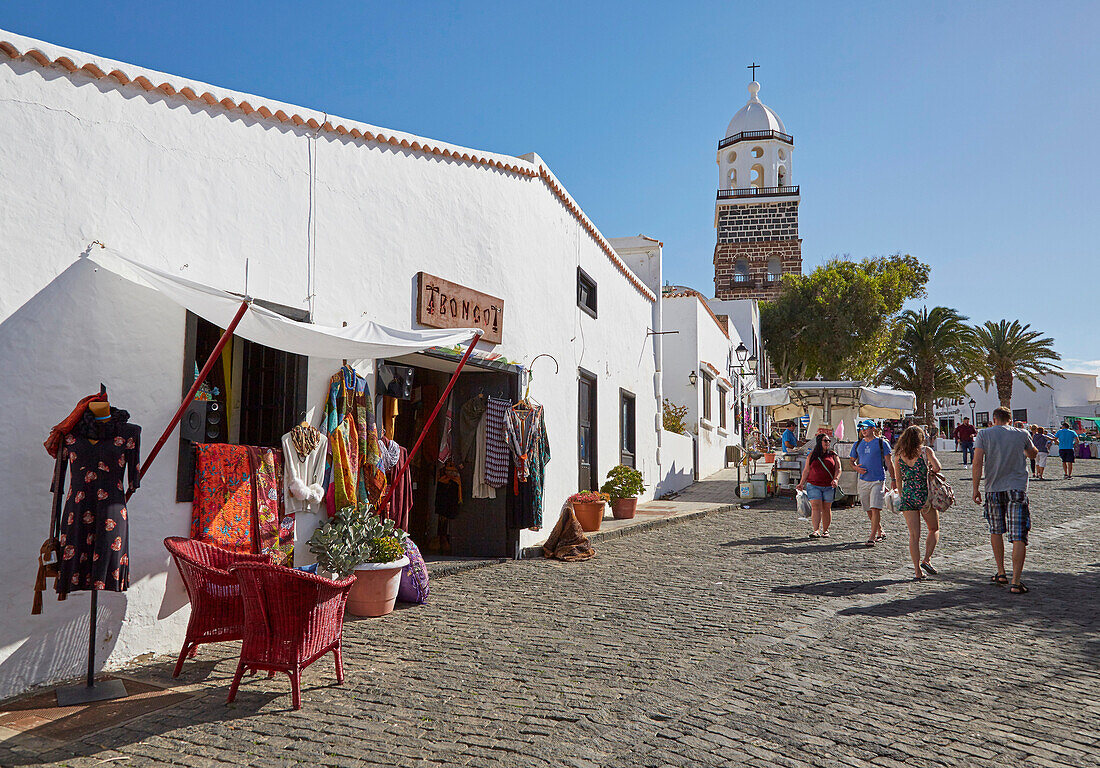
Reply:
x=304, y=438
x=53, y=442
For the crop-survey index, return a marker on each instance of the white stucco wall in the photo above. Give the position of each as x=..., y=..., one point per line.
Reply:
x=196, y=190
x=677, y=463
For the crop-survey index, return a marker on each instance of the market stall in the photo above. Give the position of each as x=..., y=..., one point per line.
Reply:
x=833, y=405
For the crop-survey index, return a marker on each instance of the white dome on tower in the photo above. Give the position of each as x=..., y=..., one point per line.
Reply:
x=755, y=116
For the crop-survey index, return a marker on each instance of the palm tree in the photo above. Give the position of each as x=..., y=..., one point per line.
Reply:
x=934, y=356
x=1006, y=351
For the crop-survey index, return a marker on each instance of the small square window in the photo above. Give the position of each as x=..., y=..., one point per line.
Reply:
x=586, y=292
x=981, y=419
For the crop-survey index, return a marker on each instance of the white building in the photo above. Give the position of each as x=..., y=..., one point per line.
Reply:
x=1070, y=394
x=331, y=220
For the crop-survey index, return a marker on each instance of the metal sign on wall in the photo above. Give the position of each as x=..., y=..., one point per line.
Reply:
x=443, y=304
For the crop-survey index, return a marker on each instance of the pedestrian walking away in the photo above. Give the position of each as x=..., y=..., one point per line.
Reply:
x=912, y=461
x=964, y=434
x=1067, y=447
x=1000, y=450
x=820, y=478
x=870, y=457
x=1042, y=442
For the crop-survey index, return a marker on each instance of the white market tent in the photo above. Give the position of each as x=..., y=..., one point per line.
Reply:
x=367, y=340
x=798, y=398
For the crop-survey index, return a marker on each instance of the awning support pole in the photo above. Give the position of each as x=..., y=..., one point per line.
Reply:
x=191, y=392
x=427, y=425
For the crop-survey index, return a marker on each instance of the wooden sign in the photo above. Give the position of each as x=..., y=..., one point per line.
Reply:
x=443, y=304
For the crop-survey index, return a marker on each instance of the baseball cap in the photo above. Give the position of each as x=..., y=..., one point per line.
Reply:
x=865, y=423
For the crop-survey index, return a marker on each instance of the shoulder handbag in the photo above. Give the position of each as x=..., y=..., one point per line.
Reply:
x=940, y=493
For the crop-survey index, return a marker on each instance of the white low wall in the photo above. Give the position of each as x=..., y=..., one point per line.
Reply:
x=677, y=463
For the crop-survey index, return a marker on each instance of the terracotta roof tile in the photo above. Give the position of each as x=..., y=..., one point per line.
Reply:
x=682, y=292
x=425, y=146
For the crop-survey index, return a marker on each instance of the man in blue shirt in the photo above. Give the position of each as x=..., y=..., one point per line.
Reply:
x=869, y=459
x=1067, y=445
x=790, y=440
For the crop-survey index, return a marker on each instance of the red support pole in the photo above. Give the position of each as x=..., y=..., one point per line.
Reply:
x=191, y=393
x=431, y=419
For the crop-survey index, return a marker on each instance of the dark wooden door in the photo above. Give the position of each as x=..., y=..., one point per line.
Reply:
x=586, y=432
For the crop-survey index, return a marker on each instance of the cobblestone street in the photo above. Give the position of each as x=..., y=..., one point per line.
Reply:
x=730, y=639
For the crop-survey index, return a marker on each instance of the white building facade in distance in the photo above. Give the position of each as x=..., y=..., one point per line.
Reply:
x=1070, y=394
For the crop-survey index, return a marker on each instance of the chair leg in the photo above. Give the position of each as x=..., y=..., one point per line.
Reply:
x=236, y=682
x=296, y=687
x=183, y=655
x=338, y=652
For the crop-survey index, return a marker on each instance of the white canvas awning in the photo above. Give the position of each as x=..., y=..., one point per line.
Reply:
x=366, y=340
x=798, y=397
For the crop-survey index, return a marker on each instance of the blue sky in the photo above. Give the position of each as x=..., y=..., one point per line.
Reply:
x=963, y=133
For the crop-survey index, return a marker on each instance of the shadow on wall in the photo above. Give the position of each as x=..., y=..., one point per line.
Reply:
x=84, y=327
x=676, y=479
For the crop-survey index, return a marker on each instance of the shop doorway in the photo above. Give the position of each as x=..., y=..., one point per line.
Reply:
x=479, y=527
x=586, y=431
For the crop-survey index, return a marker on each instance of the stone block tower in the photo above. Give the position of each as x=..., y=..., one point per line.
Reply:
x=756, y=211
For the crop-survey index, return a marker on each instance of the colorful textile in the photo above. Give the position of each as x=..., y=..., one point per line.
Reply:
x=53, y=441
x=238, y=502
x=497, y=456
x=521, y=425
x=350, y=407
x=414, y=577
x=93, y=526
x=221, y=511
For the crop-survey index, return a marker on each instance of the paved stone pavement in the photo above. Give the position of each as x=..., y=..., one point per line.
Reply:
x=727, y=640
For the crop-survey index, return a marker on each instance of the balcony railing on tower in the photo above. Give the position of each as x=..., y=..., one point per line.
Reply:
x=747, y=135
x=725, y=194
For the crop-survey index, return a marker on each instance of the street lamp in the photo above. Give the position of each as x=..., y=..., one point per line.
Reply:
x=693, y=378
x=742, y=353
x=746, y=366
x=972, y=403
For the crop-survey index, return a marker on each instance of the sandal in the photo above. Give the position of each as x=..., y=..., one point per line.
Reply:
x=824, y=534
x=816, y=535
x=869, y=543
x=1018, y=588
x=928, y=567
x=999, y=578
x=881, y=536
x=922, y=577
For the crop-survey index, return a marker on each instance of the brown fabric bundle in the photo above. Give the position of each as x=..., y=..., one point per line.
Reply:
x=567, y=541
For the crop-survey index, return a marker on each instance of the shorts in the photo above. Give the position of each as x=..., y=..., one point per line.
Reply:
x=872, y=493
x=824, y=493
x=1041, y=459
x=1066, y=454
x=1008, y=512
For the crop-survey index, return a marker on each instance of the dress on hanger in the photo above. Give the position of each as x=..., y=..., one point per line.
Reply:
x=353, y=437
x=497, y=458
x=304, y=473
x=526, y=430
x=93, y=525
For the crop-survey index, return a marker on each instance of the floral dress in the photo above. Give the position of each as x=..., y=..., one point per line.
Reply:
x=93, y=525
x=914, y=484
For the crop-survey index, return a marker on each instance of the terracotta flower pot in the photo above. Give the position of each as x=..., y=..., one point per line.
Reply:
x=589, y=514
x=769, y=458
x=375, y=589
x=624, y=509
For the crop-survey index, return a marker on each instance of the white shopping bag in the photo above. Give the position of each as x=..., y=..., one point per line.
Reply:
x=802, y=504
x=891, y=502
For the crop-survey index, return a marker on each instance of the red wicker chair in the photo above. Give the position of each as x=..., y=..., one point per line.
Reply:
x=292, y=618
x=217, y=613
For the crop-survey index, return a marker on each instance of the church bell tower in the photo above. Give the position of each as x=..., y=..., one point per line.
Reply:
x=756, y=210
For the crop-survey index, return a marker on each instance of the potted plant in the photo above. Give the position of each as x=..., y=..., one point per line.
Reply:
x=588, y=507
x=624, y=485
x=358, y=541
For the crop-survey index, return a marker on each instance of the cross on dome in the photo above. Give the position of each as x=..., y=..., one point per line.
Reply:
x=755, y=115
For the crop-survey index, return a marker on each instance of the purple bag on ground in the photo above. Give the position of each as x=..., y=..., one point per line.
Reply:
x=414, y=577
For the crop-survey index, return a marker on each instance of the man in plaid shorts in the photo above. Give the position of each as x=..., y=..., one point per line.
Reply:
x=1003, y=450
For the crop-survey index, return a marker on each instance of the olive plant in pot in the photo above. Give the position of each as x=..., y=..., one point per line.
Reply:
x=624, y=485
x=588, y=507
x=358, y=541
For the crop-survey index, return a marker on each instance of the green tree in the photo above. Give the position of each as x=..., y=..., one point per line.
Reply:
x=933, y=357
x=1005, y=351
x=839, y=321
